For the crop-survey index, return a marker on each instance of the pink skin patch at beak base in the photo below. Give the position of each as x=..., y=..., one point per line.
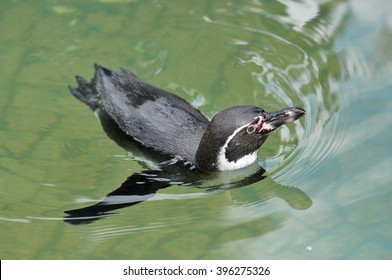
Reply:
x=260, y=126
x=266, y=127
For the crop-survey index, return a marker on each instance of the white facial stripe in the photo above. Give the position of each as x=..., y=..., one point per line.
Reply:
x=224, y=164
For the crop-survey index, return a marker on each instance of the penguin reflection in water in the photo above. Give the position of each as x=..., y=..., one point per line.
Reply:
x=160, y=127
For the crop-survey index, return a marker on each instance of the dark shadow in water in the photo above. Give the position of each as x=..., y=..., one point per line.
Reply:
x=142, y=186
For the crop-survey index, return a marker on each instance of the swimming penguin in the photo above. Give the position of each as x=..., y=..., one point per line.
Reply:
x=167, y=124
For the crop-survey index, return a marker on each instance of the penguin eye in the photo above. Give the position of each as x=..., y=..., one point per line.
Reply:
x=250, y=129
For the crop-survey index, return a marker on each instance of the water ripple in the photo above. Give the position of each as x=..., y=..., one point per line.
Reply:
x=301, y=70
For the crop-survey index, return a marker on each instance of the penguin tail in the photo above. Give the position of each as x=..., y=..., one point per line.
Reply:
x=86, y=93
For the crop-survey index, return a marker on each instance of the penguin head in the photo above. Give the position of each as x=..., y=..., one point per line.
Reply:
x=234, y=136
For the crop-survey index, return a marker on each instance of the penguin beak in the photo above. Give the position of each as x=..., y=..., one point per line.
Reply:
x=272, y=120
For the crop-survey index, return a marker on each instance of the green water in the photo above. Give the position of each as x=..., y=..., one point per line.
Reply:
x=327, y=194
